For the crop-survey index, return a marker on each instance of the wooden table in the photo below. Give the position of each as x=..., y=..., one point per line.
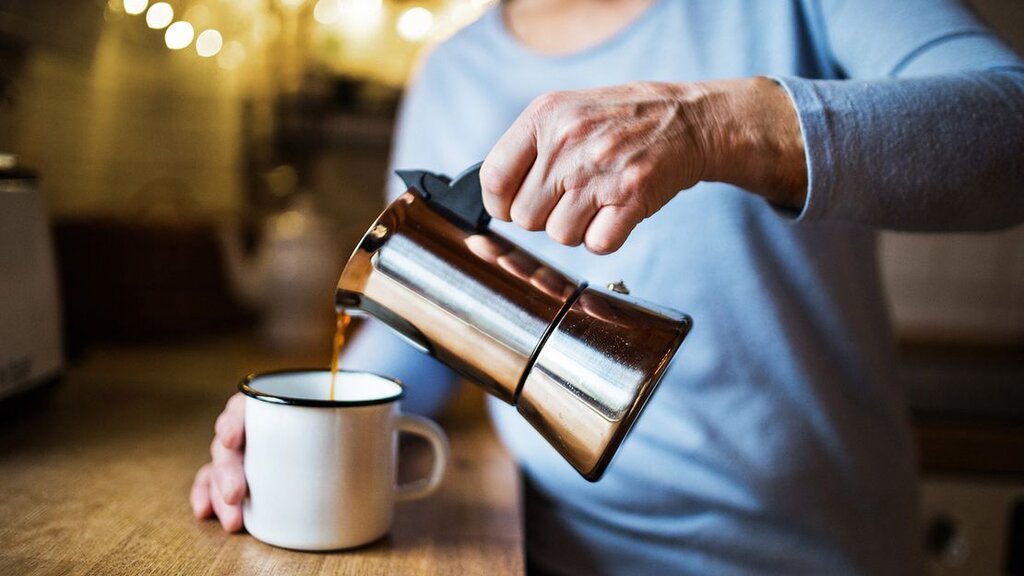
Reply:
x=97, y=481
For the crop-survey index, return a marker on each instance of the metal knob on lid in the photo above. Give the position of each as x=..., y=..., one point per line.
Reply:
x=579, y=362
x=619, y=287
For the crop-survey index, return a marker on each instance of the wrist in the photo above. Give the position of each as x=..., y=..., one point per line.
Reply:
x=751, y=138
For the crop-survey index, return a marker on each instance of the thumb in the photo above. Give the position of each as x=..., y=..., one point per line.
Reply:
x=506, y=166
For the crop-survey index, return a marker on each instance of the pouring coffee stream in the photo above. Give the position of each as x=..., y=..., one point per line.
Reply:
x=579, y=362
x=340, y=336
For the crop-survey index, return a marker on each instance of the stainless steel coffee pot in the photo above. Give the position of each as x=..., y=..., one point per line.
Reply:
x=579, y=362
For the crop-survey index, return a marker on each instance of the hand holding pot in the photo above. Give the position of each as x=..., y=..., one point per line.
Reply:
x=587, y=166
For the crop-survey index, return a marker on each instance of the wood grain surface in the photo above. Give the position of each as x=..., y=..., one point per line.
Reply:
x=97, y=480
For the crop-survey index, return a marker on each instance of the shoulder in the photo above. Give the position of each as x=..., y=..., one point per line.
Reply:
x=470, y=50
x=479, y=34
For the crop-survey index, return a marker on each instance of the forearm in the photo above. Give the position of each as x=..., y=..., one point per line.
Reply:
x=927, y=133
x=937, y=153
x=751, y=136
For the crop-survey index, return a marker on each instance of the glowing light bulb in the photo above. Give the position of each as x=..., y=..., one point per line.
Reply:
x=356, y=19
x=327, y=11
x=135, y=7
x=159, y=15
x=231, y=56
x=415, y=24
x=209, y=43
x=179, y=35
x=363, y=11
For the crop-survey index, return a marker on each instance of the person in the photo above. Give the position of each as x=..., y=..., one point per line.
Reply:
x=732, y=160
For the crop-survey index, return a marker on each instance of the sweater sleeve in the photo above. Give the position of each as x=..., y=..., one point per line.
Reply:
x=428, y=383
x=926, y=130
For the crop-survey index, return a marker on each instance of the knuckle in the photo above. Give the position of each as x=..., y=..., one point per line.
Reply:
x=575, y=128
x=528, y=220
x=600, y=244
x=575, y=185
x=605, y=151
x=633, y=179
x=493, y=180
x=563, y=235
x=547, y=103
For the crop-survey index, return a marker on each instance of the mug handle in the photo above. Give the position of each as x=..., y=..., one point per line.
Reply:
x=432, y=433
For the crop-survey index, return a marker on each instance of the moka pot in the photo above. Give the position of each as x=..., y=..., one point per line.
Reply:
x=579, y=362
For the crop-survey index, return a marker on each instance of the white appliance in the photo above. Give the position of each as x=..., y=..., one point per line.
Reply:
x=30, y=335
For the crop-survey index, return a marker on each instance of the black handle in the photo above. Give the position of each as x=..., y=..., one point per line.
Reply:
x=461, y=199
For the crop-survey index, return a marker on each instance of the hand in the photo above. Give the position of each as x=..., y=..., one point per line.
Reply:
x=220, y=485
x=588, y=166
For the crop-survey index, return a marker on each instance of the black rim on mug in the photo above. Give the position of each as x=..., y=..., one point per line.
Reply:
x=245, y=386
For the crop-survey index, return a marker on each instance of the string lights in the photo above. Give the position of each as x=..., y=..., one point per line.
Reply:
x=353, y=18
x=159, y=15
x=415, y=24
x=179, y=35
x=135, y=7
x=209, y=43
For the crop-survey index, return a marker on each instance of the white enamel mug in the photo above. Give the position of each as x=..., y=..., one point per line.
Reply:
x=321, y=473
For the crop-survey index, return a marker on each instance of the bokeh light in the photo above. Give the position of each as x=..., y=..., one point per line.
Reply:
x=209, y=43
x=415, y=24
x=134, y=7
x=360, y=19
x=159, y=15
x=179, y=35
x=327, y=11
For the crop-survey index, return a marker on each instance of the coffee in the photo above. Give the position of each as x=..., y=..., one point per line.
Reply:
x=340, y=333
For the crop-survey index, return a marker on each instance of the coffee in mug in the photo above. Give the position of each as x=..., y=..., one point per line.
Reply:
x=321, y=472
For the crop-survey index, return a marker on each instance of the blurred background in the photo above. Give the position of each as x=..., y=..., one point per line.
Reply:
x=181, y=145
x=173, y=138
x=203, y=168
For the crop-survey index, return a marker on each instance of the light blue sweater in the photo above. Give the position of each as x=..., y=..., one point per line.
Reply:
x=778, y=441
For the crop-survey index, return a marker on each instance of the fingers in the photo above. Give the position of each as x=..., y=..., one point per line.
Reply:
x=225, y=486
x=207, y=499
x=230, y=426
x=230, y=515
x=537, y=196
x=219, y=486
x=506, y=166
x=228, y=472
x=567, y=223
x=200, y=496
x=586, y=166
x=609, y=229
